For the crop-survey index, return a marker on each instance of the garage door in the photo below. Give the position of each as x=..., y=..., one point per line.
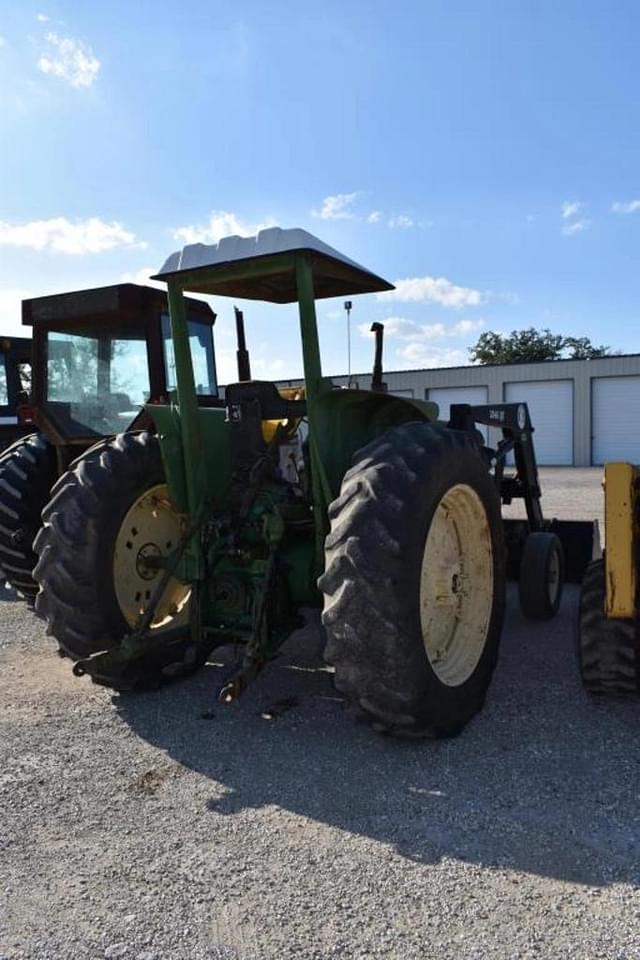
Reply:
x=551, y=410
x=407, y=392
x=445, y=396
x=615, y=408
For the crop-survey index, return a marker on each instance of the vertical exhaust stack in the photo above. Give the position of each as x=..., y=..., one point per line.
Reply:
x=377, y=383
x=242, y=354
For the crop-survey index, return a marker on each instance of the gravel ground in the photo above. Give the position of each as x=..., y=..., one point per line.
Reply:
x=164, y=827
x=569, y=494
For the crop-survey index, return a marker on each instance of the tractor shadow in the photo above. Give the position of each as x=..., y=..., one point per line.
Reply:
x=544, y=781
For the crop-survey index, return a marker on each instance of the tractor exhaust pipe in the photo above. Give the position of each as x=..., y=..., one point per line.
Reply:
x=242, y=354
x=377, y=384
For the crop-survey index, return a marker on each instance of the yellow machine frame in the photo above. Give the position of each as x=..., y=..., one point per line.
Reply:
x=621, y=488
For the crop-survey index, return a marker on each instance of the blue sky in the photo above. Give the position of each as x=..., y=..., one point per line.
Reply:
x=489, y=152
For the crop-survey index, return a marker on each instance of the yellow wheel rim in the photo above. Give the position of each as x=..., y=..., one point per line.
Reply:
x=151, y=530
x=456, y=585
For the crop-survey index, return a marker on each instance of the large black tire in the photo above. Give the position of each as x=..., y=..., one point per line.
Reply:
x=541, y=576
x=27, y=473
x=608, y=650
x=75, y=570
x=372, y=580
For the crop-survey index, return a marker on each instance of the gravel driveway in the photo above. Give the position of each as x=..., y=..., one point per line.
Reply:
x=164, y=827
x=569, y=493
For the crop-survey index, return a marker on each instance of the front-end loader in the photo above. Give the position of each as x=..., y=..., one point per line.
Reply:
x=158, y=546
x=97, y=357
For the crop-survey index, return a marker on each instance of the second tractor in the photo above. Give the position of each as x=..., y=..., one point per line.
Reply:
x=96, y=358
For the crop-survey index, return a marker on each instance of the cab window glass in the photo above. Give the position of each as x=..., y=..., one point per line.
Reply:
x=96, y=384
x=4, y=393
x=202, y=356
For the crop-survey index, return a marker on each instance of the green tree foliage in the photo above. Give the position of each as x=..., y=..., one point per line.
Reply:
x=527, y=346
x=581, y=348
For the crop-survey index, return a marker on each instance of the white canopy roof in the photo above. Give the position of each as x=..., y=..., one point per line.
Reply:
x=334, y=274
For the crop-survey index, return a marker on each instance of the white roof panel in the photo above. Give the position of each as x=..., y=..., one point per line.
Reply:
x=334, y=274
x=230, y=249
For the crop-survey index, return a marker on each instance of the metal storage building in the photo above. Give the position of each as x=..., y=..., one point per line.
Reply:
x=584, y=412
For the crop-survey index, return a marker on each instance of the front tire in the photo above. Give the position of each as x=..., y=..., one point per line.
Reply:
x=27, y=473
x=541, y=576
x=414, y=582
x=106, y=516
x=608, y=649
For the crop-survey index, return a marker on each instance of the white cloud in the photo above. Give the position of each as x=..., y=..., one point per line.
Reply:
x=263, y=365
x=464, y=327
x=341, y=206
x=428, y=355
x=411, y=330
x=69, y=59
x=432, y=290
x=42, y=17
x=631, y=206
x=65, y=236
x=226, y=363
x=142, y=277
x=3, y=41
x=11, y=310
x=570, y=208
x=578, y=226
x=221, y=224
x=401, y=222
x=405, y=329
x=338, y=207
x=393, y=327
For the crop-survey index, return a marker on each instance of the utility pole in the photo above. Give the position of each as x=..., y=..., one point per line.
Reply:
x=347, y=307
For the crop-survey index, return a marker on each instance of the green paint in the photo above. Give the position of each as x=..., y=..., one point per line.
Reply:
x=167, y=423
x=251, y=272
x=216, y=452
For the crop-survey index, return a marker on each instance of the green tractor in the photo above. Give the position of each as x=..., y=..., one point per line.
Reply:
x=97, y=357
x=219, y=525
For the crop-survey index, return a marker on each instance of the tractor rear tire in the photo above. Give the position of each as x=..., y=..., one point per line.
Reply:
x=81, y=584
x=414, y=581
x=608, y=649
x=541, y=576
x=27, y=474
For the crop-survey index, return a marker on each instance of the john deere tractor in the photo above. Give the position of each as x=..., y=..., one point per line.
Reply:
x=98, y=356
x=219, y=525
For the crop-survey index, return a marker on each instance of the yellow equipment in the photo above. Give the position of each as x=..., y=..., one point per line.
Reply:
x=609, y=633
x=289, y=426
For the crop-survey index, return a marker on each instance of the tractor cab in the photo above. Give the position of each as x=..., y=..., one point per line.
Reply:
x=99, y=355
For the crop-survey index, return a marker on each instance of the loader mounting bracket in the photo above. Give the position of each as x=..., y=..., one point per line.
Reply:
x=580, y=539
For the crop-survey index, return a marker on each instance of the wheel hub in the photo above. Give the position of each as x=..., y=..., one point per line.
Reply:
x=456, y=585
x=145, y=566
x=148, y=535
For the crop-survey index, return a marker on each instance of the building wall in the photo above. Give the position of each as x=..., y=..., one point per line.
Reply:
x=581, y=372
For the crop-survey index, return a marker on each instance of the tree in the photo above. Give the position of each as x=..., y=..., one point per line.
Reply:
x=582, y=349
x=530, y=345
